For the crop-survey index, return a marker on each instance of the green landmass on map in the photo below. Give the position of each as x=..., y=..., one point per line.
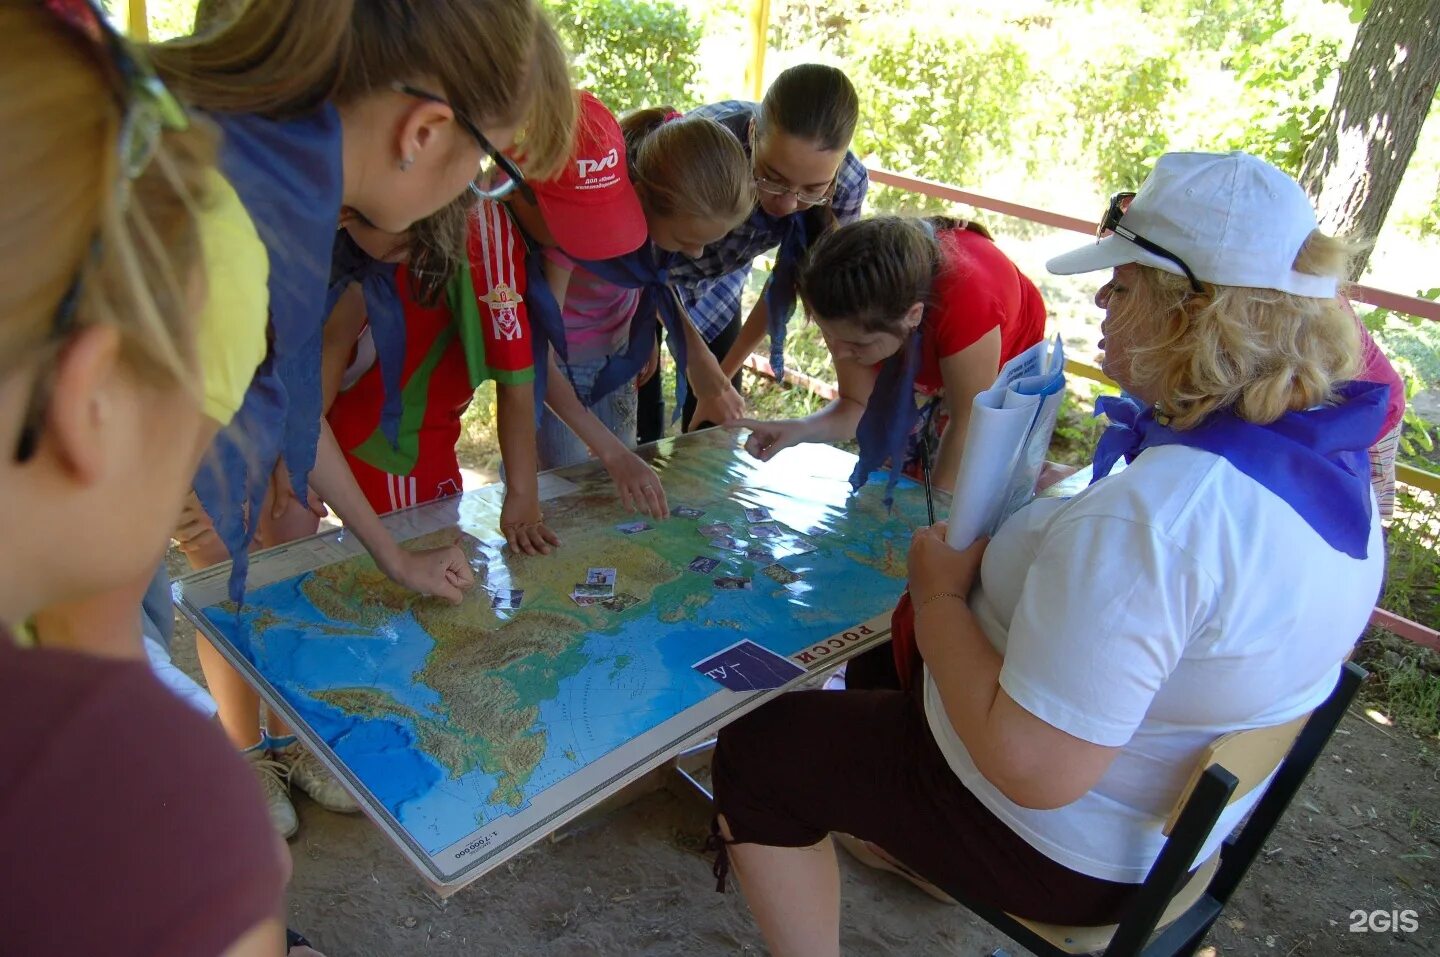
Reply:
x=491, y=672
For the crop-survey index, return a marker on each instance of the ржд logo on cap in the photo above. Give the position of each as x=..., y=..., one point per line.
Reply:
x=586, y=167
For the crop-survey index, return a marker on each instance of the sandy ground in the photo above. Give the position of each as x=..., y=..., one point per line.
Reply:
x=1364, y=835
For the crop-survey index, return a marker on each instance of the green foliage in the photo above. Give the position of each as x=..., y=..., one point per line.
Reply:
x=1286, y=80
x=827, y=25
x=1123, y=119
x=631, y=53
x=937, y=105
x=1429, y=223
x=1219, y=24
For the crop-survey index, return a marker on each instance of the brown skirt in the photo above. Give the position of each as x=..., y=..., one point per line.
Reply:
x=865, y=763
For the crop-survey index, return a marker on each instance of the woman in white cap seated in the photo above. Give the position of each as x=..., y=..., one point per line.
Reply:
x=1075, y=668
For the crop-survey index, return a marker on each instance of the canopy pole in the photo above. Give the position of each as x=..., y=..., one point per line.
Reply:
x=137, y=21
x=759, y=39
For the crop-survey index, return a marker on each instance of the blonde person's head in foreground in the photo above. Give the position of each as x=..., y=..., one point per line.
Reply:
x=99, y=280
x=427, y=93
x=1224, y=292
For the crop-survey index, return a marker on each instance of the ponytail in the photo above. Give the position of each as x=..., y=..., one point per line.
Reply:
x=498, y=62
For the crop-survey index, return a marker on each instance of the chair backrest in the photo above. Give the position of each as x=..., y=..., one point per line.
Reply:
x=1253, y=754
x=1234, y=765
x=1250, y=755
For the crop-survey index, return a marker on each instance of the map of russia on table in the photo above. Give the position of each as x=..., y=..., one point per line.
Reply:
x=469, y=731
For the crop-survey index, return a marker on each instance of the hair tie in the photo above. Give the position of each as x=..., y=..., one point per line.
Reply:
x=672, y=115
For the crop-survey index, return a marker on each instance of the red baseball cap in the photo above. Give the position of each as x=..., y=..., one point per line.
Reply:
x=591, y=207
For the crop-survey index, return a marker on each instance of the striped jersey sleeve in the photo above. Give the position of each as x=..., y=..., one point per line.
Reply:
x=497, y=270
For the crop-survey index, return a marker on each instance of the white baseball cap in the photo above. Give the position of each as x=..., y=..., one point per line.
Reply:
x=1235, y=220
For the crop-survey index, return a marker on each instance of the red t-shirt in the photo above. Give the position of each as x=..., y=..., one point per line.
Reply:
x=439, y=376
x=978, y=288
x=131, y=827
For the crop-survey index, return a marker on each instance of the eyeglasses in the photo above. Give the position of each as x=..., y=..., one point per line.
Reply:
x=1115, y=212
x=147, y=110
x=514, y=179
x=805, y=196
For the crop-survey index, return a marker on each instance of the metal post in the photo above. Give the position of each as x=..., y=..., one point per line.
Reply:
x=137, y=21
x=759, y=39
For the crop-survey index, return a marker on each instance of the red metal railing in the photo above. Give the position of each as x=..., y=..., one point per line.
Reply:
x=1384, y=298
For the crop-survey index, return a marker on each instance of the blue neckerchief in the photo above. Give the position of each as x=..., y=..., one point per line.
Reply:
x=889, y=417
x=780, y=289
x=385, y=315
x=288, y=177
x=1315, y=460
x=547, y=322
x=646, y=269
x=890, y=413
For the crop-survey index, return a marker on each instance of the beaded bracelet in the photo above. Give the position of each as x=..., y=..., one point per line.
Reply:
x=943, y=594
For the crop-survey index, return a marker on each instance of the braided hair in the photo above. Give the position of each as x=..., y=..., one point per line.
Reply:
x=872, y=271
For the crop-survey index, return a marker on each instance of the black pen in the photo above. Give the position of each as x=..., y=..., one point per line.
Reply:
x=925, y=471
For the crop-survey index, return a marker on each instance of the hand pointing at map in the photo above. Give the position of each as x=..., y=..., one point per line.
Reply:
x=768, y=438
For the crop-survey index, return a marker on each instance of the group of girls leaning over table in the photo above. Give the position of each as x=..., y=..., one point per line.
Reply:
x=262, y=270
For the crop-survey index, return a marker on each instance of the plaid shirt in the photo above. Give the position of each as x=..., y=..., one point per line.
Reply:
x=711, y=286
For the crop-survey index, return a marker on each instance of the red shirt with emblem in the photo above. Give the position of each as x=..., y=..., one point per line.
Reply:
x=477, y=331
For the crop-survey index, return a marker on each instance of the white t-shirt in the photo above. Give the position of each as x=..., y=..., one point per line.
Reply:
x=1158, y=609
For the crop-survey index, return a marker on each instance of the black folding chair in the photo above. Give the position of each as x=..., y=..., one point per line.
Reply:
x=1180, y=906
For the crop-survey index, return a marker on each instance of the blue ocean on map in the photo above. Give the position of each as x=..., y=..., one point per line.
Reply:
x=631, y=676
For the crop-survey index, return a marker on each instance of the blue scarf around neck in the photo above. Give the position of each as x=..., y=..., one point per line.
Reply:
x=385, y=315
x=1315, y=460
x=288, y=177
x=780, y=289
x=646, y=269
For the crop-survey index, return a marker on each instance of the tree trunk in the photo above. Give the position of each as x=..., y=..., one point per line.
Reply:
x=1354, y=167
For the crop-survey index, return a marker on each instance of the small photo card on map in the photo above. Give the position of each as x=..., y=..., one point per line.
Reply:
x=781, y=574
x=600, y=576
x=746, y=666
x=759, y=553
x=620, y=602
x=732, y=583
x=507, y=598
x=686, y=511
x=630, y=528
x=583, y=590
x=758, y=513
x=585, y=601
x=796, y=546
x=715, y=530
x=766, y=530
x=703, y=565
x=725, y=542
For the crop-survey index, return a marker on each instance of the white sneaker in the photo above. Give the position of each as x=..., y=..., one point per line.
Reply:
x=311, y=776
x=275, y=785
